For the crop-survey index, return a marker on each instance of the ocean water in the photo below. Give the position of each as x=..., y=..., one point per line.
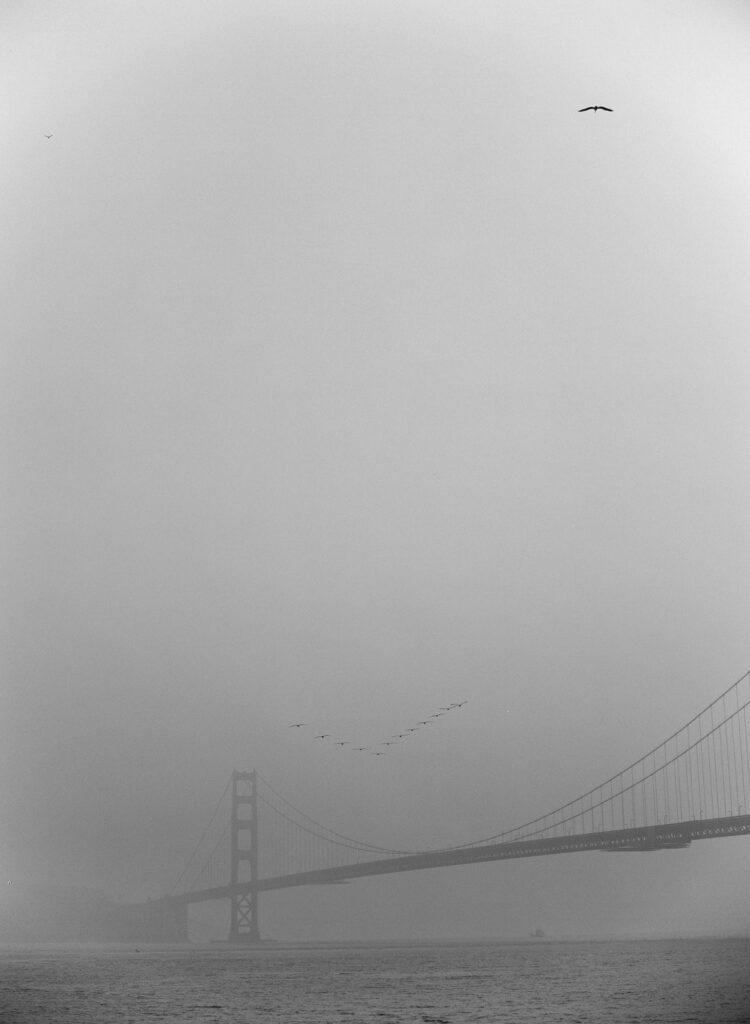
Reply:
x=619, y=982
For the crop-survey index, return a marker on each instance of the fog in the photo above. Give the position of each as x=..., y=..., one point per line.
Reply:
x=349, y=371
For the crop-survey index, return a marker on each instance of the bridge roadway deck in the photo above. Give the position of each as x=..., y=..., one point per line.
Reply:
x=649, y=837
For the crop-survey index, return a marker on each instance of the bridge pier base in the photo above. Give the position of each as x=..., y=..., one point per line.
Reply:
x=243, y=867
x=244, y=930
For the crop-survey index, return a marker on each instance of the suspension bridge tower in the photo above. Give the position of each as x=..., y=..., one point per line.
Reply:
x=243, y=865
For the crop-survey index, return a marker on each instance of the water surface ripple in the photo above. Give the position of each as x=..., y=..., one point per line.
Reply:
x=619, y=982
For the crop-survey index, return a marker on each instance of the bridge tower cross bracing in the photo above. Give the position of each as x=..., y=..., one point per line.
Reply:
x=244, y=857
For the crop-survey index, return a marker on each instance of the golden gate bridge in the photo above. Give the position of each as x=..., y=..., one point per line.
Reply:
x=694, y=785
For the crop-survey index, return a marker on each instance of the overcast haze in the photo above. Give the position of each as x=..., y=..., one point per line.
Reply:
x=349, y=371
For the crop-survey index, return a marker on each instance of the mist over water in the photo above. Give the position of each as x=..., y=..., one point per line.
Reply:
x=350, y=372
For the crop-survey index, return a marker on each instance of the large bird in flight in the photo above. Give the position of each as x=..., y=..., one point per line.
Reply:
x=595, y=108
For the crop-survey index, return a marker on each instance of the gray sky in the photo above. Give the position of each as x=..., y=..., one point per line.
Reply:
x=348, y=370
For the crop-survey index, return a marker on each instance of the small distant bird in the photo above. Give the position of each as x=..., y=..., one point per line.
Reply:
x=595, y=108
x=323, y=736
x=361, y=748
x=377, y=753
x=387, y=743
x=413, y=730
x=341, y=743
x=297, y=725
x=49, y=136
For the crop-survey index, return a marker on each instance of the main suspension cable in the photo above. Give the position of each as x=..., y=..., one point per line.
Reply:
x=324, y=828
x=203, y=836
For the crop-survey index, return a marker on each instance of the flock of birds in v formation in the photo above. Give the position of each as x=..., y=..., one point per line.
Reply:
x=395, y=738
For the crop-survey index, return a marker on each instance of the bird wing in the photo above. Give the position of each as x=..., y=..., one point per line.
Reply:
x=606, y=108
x=586, y=108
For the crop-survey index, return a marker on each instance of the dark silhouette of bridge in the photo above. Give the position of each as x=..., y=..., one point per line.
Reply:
x=695, y=785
